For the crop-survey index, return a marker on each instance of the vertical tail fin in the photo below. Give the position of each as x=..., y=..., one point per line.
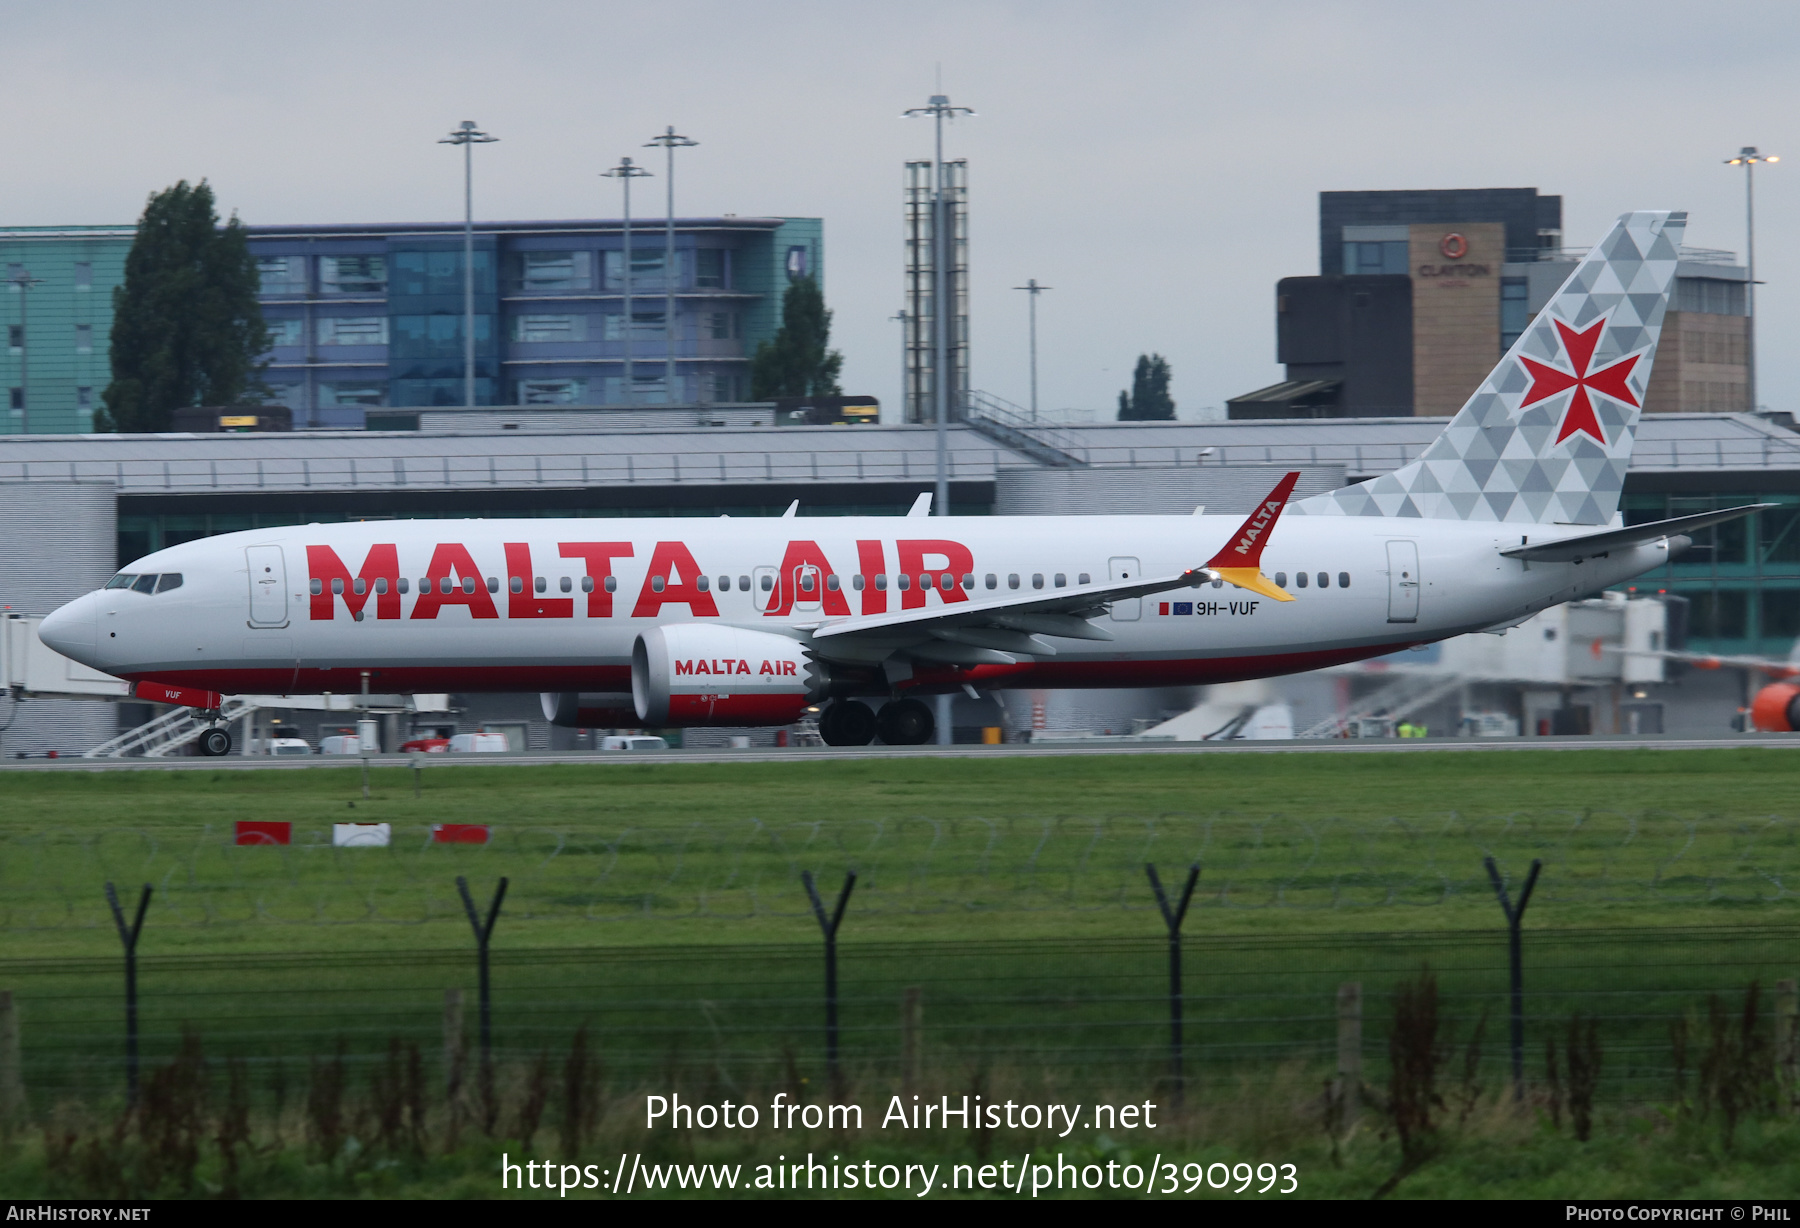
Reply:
x=1547, y=437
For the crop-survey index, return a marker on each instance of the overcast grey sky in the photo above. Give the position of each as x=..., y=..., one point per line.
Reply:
x=1157, y=163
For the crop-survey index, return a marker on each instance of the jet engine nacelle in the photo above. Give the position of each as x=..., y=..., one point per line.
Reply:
x=698, y=674
x=1776, y=708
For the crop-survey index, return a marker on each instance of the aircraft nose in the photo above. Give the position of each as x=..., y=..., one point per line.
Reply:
x=73, y=629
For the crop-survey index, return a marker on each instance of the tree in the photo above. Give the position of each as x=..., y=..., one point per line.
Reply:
x=1149, y=399
x=796, y=362
x=187, y=327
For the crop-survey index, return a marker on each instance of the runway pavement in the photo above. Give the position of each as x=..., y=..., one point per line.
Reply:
x=1088, y=746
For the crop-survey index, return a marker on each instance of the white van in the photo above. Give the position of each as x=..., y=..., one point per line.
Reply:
x=280, y=746
x=341, y=744
x=636, y=741
x=484, y=742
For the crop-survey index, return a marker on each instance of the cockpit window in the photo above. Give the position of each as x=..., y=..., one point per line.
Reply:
x=122, y=580
x=144, y=584
x=170, y=579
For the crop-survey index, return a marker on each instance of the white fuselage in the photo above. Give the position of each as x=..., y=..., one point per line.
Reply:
x=246, y=617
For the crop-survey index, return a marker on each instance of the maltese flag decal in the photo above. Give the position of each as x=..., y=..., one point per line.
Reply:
x=1609, y=381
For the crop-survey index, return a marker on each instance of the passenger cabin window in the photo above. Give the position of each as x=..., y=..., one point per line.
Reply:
x=743, y=584
x=657, y=584
x=317, y=586
x=587, y=584
x=565, y=584
x=1324, y=578
x=337, y=588
x=1062, y=581
x=831, y=582
x=702, y=584
x=1012, y=581
x=881, y=583
x=1037, y=579
x=768, y=584
x=856, y=582
x=612, y=584
x=516, y=584
x=1300, y=579
x=381, y=586
x=359, y=586
x=993, y=581
x=405, y=584
x=1083, y=578
x=968, y=581
x=493, y=585
x=1343, y=579
x=902, y=582
x=724, y=584
x=1281, y=579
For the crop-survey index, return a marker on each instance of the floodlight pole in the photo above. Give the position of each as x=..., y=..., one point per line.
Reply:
x=1031, y=287
x=468, y=135
x=1747, y=158
x=626, y=172
x=670, y=141
x=1515, y=913
x=943, y=242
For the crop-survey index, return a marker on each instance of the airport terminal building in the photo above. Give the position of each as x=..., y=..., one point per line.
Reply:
x=78, y=507
x=367, y=320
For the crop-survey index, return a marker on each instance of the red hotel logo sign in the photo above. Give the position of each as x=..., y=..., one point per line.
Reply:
x=1454, y=247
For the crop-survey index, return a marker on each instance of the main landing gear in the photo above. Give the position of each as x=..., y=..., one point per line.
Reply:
x=901, y=722
x=215, y=742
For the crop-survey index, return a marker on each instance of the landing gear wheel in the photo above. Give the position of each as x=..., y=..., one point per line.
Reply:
x=905, y=722
x=847, y=723
x=215, y=742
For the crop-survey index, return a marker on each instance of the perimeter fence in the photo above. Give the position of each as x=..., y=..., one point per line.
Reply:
x=907, y=866
x=936, y=1016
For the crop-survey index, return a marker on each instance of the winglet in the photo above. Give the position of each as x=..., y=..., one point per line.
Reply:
x=1239, y=562
x=921, y=506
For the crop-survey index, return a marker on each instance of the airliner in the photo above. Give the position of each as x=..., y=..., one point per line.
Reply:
x=736, y=622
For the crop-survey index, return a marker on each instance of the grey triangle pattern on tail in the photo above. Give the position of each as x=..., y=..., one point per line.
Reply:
x=1500, y=458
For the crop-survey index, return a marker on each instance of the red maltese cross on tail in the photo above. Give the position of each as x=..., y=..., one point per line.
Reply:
x=1609, y=381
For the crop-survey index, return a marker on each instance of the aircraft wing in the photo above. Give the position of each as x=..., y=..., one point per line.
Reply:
x=991, y=632
x=1589, y=545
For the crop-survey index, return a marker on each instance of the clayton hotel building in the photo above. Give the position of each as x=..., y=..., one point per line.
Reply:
x=1418, y=294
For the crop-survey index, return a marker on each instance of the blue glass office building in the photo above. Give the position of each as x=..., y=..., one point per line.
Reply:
x=367, y=320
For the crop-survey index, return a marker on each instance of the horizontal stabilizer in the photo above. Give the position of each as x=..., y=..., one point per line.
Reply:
x=1588, y=545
